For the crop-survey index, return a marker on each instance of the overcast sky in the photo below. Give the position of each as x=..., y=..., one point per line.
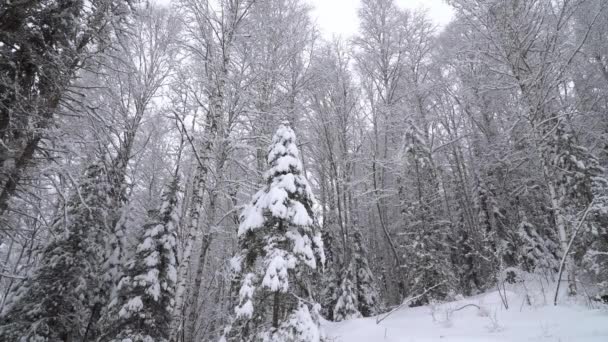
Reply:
x=340, y=16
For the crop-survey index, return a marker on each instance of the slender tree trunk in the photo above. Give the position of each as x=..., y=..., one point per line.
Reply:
x=196, y=288
x=560, y=225
x=184, y=264
x=275, y=309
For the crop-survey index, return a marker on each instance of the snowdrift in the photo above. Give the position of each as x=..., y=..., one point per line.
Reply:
x=485, y=320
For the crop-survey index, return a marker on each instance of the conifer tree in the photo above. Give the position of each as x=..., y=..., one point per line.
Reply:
x=347, y=303
x=537, y=253
x=467, y=258
x=330, y=280
x=55, y=302
x=353, y=292
x=596, y=257
x=280, y=247
x=367, y=292
x=142, y=310
x=579, y=183
x=425, y=252
x=44, y=43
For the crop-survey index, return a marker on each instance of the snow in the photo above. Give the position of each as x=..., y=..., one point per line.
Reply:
x=299, y=215
x=283, y=134
x=245, y=308
x=566, y=322
x=276, y=277
x=275, y=201
x=306, y=327
x=299, y=327
x=133, y=305
x=172, y=273
x=236, y=263
x=319, y=248
x=284, y=164
x=169, y=241
x=152, y=259
x=285, y=181
x=253, y=215
x=147, y=245
x=154, y=231
x=302, y=247
x=346, y=306
x=151, y=281
x=154, y=290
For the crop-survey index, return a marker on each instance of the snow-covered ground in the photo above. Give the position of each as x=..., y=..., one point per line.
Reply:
x=564, y=323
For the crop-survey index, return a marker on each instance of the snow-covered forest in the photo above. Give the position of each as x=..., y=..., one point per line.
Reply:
x=219, y=170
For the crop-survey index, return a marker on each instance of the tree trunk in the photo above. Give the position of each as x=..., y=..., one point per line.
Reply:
x=198, y=280
x=275, y=310
x=196, y=208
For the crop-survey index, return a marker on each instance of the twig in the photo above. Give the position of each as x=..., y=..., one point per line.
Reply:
x=467, y=305
x=189, y=138
x=503, y=294
x=407, y=301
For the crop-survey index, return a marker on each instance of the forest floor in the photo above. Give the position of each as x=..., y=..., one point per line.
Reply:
x=570, y=321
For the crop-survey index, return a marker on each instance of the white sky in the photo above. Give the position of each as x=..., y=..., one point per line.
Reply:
x=339, y=17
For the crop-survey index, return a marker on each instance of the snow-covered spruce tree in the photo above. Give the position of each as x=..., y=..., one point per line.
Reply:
x=365, y=285
x=426, y=248
x=142, y=310
x=467, y=258
x=578, y=183
x=347, y=303
x=596, y=257
x=353, y=292
x=54, y=303
x=281, y=247
x=537, y=251
x=330, y=280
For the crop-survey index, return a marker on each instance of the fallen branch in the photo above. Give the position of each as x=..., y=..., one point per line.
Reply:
x=12, y=276
x=467, y=305
x=407, y=301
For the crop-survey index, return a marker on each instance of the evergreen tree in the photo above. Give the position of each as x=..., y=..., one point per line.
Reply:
x=142, y=310
x=347, y=303
x=471, y=264
x=365, y=286
x=55, y=302
x=44, y=43
x=330, y=280
x=579, y=183
x=300, y=326
x=280, y=247
x=537, y=252
x=350, y=291
x=596, y=257
x=425, y=252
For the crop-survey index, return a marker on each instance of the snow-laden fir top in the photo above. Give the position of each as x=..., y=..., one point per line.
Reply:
x=286, y=188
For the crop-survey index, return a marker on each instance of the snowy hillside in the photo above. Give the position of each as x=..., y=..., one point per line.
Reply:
x=568, y=322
